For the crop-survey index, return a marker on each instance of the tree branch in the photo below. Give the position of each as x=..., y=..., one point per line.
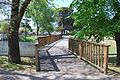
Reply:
x=23, y=9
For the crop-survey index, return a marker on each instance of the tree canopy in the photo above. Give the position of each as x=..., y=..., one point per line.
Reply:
x=97, y=19
x=42, y=14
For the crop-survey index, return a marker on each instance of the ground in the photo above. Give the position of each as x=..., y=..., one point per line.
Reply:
x=57, y=63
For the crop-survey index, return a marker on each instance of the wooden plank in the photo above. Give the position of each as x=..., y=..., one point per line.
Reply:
x=81, y=49
x=90, y=52
x=99, y=55
x=106, y=50
x=37, y=58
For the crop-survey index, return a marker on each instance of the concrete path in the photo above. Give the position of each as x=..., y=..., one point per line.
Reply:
x=57, y=63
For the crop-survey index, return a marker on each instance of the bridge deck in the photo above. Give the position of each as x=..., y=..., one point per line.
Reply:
x=57, y=63
x=61, y=64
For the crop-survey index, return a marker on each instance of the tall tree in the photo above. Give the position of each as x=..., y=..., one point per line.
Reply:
x=42, y=14
x=63, y=20
x=17, y=12
x=98, y=19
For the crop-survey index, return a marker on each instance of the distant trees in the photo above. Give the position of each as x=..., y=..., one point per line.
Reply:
x=4, y=26
x=64, y=19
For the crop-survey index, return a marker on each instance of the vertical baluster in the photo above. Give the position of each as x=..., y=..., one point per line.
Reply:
x=102, y=56
x=81, y=49
x=90, y=52
x=87, y=51
x=96, y=54
x=99, y=55
x=84, y=50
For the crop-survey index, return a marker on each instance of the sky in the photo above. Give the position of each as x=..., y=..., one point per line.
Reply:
x=62, y=3
x=58, y=3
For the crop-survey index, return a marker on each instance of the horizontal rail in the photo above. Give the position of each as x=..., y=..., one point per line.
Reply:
x=94, y=53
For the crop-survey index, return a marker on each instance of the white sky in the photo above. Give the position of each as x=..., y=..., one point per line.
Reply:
x=63, y=3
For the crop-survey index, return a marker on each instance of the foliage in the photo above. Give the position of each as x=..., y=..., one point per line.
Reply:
x=42, y=14
x=4, y=26
x=63, y=18
x=60, y=28
x=93, y=18
x=98, y=19
x=27, y=39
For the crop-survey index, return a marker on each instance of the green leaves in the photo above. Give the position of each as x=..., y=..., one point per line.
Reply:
x=93, y=18
x=42, y=14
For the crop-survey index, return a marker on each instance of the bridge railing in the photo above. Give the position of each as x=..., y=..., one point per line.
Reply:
x=42, y=41
x=93, y=53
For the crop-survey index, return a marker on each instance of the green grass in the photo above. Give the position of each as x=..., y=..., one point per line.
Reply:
x=27, y=39
x=26, y=65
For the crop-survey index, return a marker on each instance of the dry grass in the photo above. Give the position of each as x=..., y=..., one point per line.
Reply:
x=27, y=64
x=112, y=43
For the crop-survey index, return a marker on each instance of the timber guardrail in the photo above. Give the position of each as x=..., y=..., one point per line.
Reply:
x=93, y=53
x=41, y=42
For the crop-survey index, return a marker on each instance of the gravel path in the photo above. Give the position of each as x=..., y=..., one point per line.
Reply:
x=57, y=63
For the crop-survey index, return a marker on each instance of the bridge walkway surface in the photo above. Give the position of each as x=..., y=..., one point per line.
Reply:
x=57, y=63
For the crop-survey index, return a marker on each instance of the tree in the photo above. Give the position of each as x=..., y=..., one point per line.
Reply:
x=17, y=12
x=98, y=19
x=42, y=14
x=64, y=20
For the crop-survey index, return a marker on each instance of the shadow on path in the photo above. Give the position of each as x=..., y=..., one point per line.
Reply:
x=47, y=60
x=8, y=75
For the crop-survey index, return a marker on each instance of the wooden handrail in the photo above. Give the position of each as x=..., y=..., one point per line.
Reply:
x=94, y=53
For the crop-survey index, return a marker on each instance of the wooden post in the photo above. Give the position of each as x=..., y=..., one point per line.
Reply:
x=105, y=67
x=37, y=58
x=81, y=49
x=99, y=55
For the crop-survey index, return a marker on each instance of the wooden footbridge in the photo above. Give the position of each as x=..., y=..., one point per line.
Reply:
x=67, y=55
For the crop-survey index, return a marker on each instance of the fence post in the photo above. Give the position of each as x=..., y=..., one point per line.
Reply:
x=37, y=58
x=81, y=49
x=69, y=44
x=105, y=52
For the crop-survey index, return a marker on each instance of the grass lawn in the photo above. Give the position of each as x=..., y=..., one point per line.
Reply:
x=26, y=65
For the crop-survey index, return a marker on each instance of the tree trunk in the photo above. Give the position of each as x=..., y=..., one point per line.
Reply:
x=13, y=45
x=17, y=13
x=49, y=33
x=117, y=39
x=37, y=31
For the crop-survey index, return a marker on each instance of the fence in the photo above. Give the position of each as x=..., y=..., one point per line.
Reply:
x=26, y=48
x=94, y=53
x=42, y=41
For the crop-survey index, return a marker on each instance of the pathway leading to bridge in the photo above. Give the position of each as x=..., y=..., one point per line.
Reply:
x=57, y=63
